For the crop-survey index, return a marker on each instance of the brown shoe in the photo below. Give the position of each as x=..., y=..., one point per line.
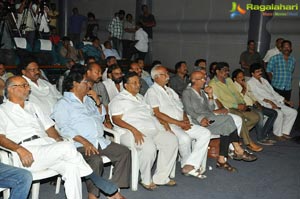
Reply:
x=286, y=136
x=280, y=138
x=254, y=147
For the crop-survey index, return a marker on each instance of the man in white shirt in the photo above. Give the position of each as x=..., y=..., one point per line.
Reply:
x=43, y=93
x=273, y=51
x=109, y=51
x=129, y=111
x=25, y=129
x=267, y=97
x=168, y=107
x=114, y=83
x=142, y=41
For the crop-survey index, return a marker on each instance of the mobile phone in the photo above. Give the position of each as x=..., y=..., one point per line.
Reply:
x=211, y=121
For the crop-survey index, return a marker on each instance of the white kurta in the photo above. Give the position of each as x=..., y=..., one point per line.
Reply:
x=18, y=124
x=44, y=94
x=286, y=115
x=138, y=114
x=169, y=103
x=111, y=88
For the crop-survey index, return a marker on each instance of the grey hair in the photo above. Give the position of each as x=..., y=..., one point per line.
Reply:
x=154, y=71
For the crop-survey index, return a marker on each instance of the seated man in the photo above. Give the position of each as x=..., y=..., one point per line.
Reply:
x=25, y=129
x=168, y=107
x=42, y=93
x=180, y=80
x=200, y=105
x=145, y=75
x=266, y=95
x=129, y=111
x=2, y=86
x=16, y=179
x=227, y=94
x=109, y=51
x=111, y=60
x=3, y=74
x=134, y=67
x=263, y=129
x=114, y=83
x=69, y=52
x=79, y=115
x=94, y=49
x=93, y=75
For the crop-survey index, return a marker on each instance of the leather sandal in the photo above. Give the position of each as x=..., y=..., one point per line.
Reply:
x=246, y=156
x=195, y=173
x=149, y=187
x=226, y=166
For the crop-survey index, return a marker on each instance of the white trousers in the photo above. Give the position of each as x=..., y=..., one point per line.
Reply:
x=63, y=158
x=196, y=155
x=284, y=121
x=167, y=145
x=237, y=121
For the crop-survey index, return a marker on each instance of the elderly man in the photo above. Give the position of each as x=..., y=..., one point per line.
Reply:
x=129, y=111
x=181, y=79
x=168, y=107
x=16, y=179
x=25, y=129
x=79, y=115
x=114, y=83
x=134, y=67
x=268, y=97
x=227, y=94
x=199, y=103
x=44, y=94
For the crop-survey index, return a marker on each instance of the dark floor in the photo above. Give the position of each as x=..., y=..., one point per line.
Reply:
x=276, y=175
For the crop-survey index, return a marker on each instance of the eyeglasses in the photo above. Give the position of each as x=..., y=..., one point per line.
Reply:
x=22, y=85
x=202, y=79
x=164, y=74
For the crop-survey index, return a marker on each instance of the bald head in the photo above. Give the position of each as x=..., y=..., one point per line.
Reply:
x=198, y=79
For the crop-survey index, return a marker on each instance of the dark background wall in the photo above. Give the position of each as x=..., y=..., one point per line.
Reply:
x=193, y=29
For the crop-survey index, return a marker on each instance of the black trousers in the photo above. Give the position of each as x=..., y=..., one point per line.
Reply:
x=284, y=93
x=225, y=141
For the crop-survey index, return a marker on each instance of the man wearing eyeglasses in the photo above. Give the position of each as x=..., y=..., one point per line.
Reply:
x=168, y=107
x=43, y=93
x=26, y=130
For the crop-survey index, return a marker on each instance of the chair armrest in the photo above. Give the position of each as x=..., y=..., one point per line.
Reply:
x=115, y=134
x=9, y=157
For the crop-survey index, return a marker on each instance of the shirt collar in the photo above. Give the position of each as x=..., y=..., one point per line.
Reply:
x=72, y=97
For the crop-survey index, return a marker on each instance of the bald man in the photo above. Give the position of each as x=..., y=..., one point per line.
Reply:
x=25, y=129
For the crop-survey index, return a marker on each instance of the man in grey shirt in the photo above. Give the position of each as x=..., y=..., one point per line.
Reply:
x=180, y=81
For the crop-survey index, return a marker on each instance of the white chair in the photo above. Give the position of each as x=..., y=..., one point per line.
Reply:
x=134, y=157
x=5, y=193
x=36, y=175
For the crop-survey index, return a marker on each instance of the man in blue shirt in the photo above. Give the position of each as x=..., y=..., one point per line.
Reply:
x=94, y=50
x=75, y=25
x=280, y=69
x=79, y=115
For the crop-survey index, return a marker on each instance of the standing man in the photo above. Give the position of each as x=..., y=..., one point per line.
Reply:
x=148, y=22
x=75, y=25
x=250, y=56
x=115, y=29
x=274, y=51
x=168, y=107
x=280, y=69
